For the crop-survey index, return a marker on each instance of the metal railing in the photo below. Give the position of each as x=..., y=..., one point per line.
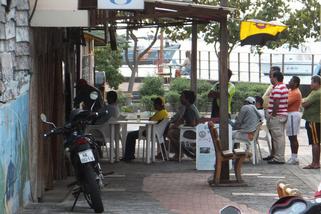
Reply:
x=246, y=67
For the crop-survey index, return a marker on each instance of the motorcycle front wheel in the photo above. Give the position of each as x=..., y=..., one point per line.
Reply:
x=91, y=189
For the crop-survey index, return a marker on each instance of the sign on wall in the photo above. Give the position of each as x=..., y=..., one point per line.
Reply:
x=121, y=4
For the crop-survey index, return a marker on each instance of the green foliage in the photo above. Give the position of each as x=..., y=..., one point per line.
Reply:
x=147, y=103
x=109, y=61
x=203, y=102
x=172, y=97
x=180, y=84
x=152, y=86
x=203, y=86
x=243, y=90
x=121, y=98
x=303, y=24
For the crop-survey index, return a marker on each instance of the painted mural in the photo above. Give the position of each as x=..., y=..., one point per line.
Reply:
x=14, y=166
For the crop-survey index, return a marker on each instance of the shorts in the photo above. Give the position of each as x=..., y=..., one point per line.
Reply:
x=313, y=131
x=293, y=123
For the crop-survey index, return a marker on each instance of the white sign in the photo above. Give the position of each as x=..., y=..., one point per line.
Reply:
x=205, y=151
x=121, y=4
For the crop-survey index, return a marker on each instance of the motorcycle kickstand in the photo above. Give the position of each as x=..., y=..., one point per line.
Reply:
x=76, y=194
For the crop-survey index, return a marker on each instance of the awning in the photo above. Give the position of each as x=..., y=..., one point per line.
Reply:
x=159, y=12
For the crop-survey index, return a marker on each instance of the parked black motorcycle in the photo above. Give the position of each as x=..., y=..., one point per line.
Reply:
x=83, y=154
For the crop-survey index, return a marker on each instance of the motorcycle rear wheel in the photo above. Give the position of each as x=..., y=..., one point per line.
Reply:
x=91, y=189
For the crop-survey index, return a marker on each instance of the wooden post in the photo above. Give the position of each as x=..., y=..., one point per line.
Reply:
x=209, y=64
x=260, y=68
x=224, y=133
x=249, y=66
x=199, y=64
x=238, y=66
x=194, y=58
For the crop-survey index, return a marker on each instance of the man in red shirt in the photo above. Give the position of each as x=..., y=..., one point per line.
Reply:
x=277, y=116
x=294, y=118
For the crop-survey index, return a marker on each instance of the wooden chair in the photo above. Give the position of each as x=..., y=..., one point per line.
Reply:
x=238, y=155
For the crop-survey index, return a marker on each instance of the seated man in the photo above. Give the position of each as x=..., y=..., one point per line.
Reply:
x=111, y=109
x=246, y=121
x=190, y=117
x=159, y=115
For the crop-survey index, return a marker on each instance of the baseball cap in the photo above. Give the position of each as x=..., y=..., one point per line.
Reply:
x=250, y=100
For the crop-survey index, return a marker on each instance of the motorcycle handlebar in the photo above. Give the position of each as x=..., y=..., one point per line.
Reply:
x=54, y=131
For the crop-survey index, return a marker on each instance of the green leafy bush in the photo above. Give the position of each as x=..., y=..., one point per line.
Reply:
x=180, y=84
x=152, y=86
x=203, y=86
x=243, y=90
x=172, y=97
x=147, y=103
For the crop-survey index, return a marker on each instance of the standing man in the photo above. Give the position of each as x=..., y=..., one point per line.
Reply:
x=311, y=114
x=277, y=116
x=215, y=95
x=294, y=118
x=266, y=98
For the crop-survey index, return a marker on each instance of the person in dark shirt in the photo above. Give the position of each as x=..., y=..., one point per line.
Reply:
x=190, y=117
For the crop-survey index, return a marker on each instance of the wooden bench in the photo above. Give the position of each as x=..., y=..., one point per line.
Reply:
x=238, y=155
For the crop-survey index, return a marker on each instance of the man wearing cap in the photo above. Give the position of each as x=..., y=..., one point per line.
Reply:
x=159, y=115
x=246, y=121
x=83, y=90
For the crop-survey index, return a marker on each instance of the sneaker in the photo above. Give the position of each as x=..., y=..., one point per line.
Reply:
x=293, y=161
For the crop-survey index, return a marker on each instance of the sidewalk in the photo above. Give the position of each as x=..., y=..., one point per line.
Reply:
x=172, y=187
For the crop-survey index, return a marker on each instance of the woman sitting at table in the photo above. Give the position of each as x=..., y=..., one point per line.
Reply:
x=159, y=115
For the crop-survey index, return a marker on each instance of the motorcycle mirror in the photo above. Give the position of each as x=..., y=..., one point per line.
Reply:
x=230, y=210
x=93, y=95
x=43, y=117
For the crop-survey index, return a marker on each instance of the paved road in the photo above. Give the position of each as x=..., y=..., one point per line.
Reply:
x=171, y=187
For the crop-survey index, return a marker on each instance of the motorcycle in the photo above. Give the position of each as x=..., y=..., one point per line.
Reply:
x=82, y=152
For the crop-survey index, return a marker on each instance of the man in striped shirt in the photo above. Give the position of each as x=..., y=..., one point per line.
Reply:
x=277, y=116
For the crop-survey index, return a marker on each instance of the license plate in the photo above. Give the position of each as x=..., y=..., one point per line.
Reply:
x=86, y=156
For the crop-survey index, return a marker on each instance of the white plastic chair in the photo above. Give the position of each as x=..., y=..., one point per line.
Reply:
x=182, y=139
x=266, y=136
x=252, y=143
x=159, y=137
x=100, y=132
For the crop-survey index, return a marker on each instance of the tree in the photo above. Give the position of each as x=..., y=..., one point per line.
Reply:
x=245, y=9
x=133, y=63
x=304, y=23
x=109, y=61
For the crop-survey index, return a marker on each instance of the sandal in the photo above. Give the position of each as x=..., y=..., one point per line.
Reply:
x=310, y=166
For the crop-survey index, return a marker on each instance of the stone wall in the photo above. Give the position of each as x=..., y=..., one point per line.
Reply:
x=14, y=49
x=14, y=105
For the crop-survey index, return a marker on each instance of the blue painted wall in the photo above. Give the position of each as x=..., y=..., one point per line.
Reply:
x=14, y=154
